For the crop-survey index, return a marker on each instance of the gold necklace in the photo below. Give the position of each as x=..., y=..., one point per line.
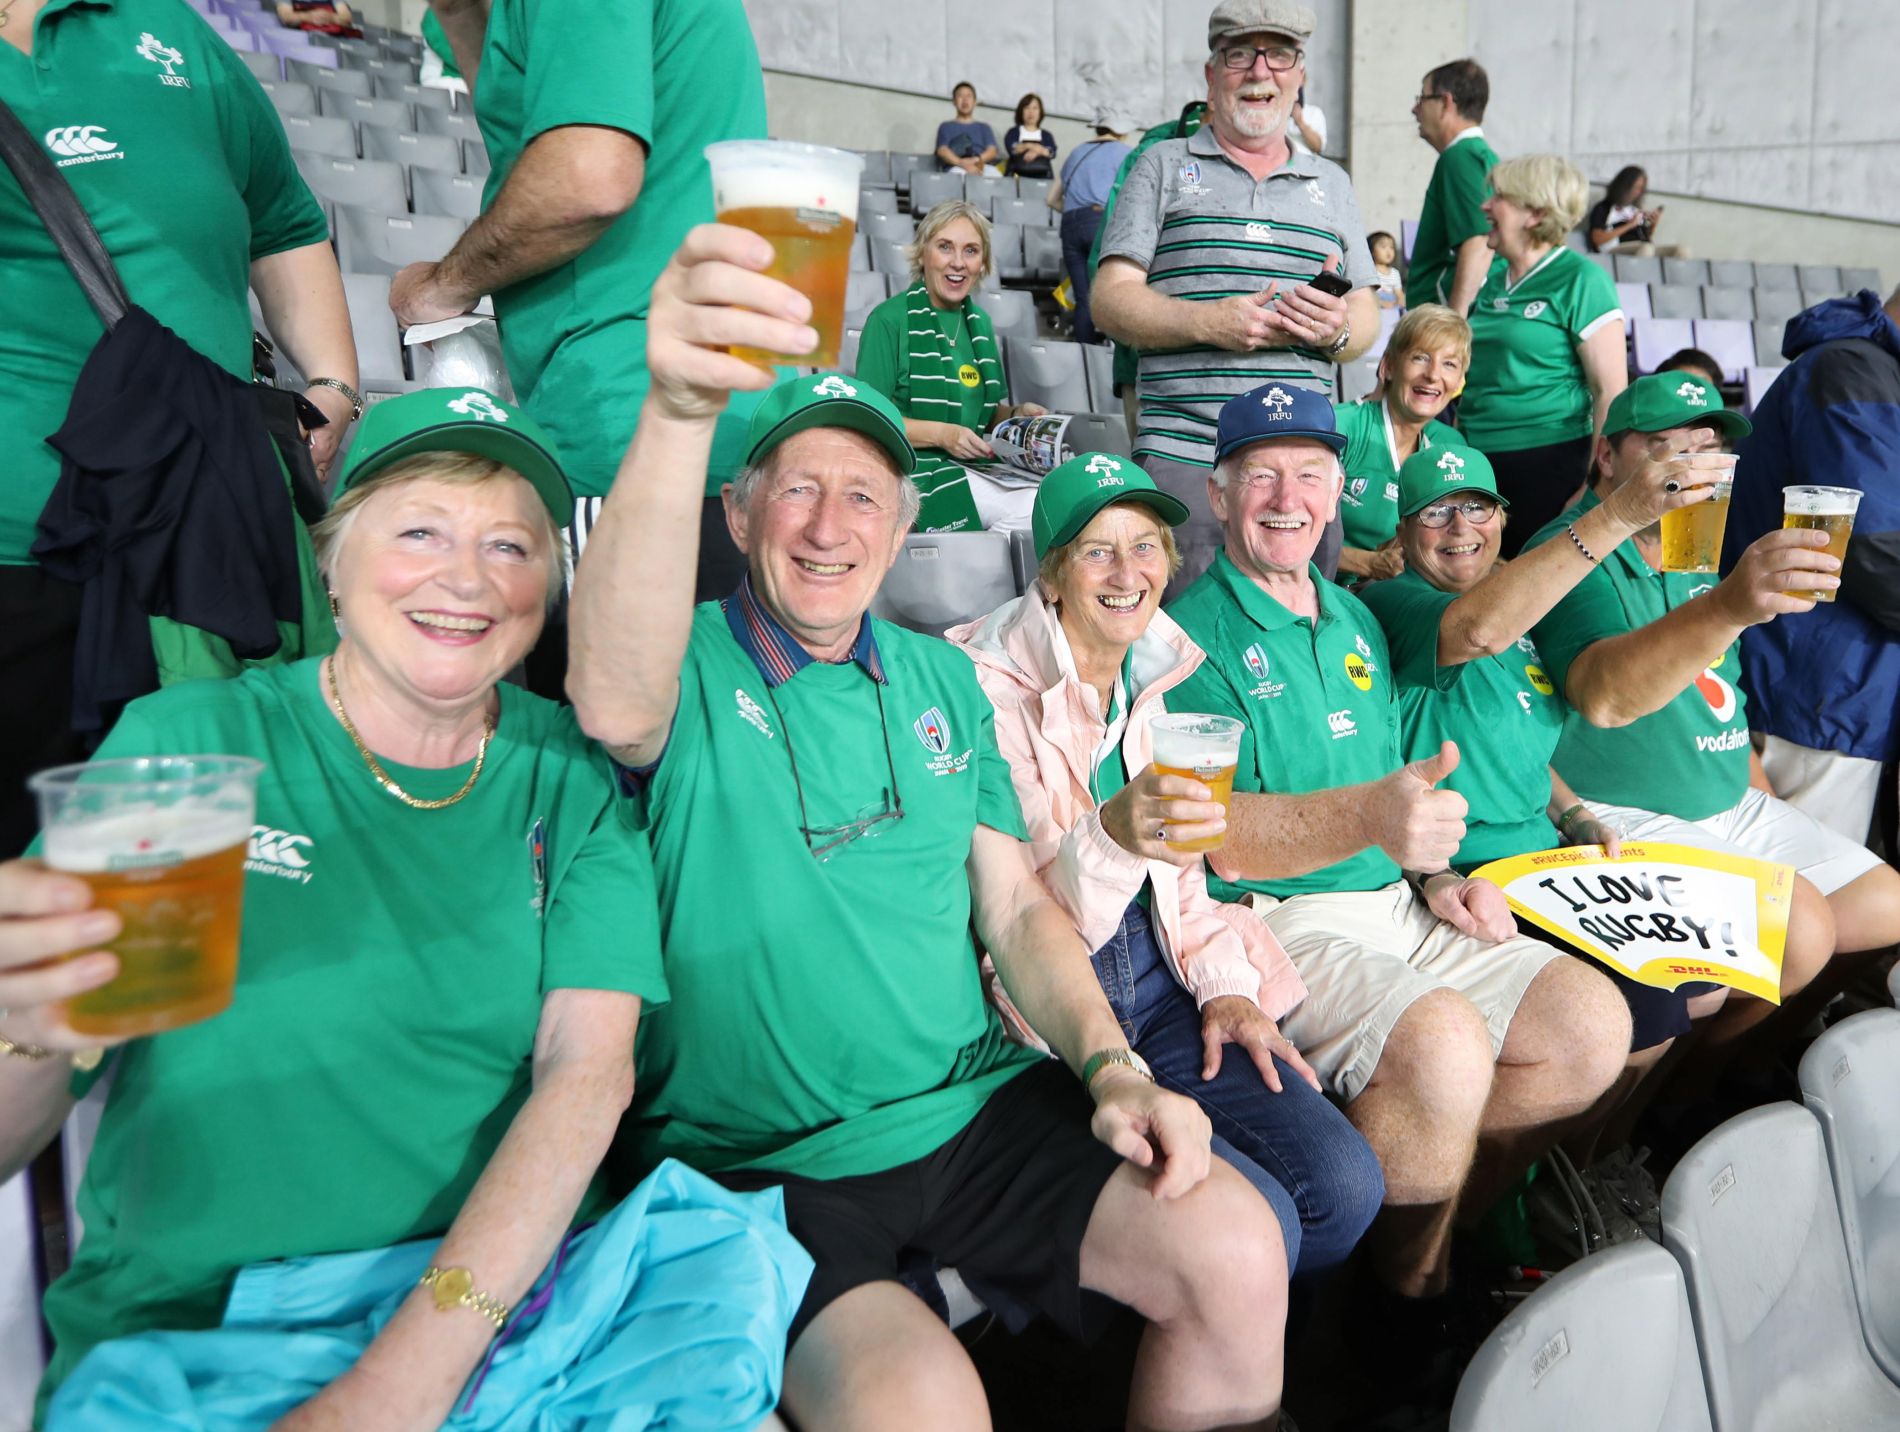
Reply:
x=384, y=778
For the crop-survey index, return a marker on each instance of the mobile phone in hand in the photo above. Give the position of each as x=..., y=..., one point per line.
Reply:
x=1326, y=281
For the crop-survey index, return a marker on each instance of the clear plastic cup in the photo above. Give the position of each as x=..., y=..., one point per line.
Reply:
x=803, y=200
x=1202, y=748
x=1822, y=509
x=162, y=840
x=1692, y=535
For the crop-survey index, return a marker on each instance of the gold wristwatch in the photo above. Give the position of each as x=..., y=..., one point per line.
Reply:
x=455, y=1288
x=1104, y=1057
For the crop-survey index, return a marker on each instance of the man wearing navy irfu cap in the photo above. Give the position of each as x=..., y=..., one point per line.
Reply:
x=1448, y=1035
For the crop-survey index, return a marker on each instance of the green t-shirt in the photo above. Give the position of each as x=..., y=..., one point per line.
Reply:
x=828, y=1016
x=1369, y=503
x=906, y=322
x=436, y=40
x=390, y=978
x=1503, y=711
x=122, y=94
x=1452, y=212
x=675, y=74
x=1317, y=702
x=1127, y=359
x=1690, y=759
x=1527, y=387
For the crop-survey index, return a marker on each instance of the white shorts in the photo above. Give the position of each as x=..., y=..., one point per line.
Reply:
x=1760, y=825
x=1002, y=507
x=1837, y=790
x=1366, y=955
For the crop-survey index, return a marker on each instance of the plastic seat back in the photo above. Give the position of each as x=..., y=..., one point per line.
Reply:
x=943, y=578
x=1729, y=342
x=1670, y=301
x=1012, y=313
x=986, y=190
x=1049, y=373
x=929, y=188
x=360, y=183
x=1633, y=299
x=1731, y=273
x=1719, y=302
x=1653, y=340
x=1637, y=268
x=314, y=134
x=1780, y=304
x=1757, y=379
x=384, y=243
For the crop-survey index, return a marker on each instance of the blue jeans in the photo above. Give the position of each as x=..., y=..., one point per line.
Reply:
x=1307, y=1160
x=1079, y=227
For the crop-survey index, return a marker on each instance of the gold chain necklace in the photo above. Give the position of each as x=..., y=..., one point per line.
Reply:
x=384, y=778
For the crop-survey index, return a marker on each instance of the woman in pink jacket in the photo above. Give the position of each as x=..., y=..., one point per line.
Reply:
x=1076, y=668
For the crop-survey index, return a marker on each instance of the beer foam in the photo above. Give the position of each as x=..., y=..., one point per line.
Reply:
x=1821, y=501
x=762, y=184
x=1191, y=750
x=144, y=835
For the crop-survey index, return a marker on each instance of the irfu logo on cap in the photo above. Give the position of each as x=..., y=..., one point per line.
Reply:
x=1277, y=403
x=1108, y=470
x=1452, y=466
x=478, y=406
x=832, y=386
x=1691, y=393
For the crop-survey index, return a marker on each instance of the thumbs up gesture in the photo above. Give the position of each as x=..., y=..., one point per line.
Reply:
x=1410, y=819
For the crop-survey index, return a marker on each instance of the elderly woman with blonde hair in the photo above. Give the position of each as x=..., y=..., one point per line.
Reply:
x=449, y=933
x=1546, y=345
x=933, y=352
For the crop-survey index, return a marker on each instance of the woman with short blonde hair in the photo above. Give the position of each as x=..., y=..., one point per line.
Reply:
x=1546, y=344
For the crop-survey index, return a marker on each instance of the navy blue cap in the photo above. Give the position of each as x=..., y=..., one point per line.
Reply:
x=1276, y=410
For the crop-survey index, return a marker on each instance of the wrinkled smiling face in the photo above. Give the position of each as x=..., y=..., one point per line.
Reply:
x=1278, y=497
x=1111, y=585
x=1252, y=103
x=953, y=263
x=1422, y=383
x=1459, y=555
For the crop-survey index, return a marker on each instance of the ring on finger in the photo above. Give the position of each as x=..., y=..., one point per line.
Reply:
x=1161, y=831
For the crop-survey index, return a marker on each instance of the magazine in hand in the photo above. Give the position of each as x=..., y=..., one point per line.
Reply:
x=1026, y=449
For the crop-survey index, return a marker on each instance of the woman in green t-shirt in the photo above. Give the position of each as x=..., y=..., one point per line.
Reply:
x=1546, y=344
x=449, y=934
x=932, y=351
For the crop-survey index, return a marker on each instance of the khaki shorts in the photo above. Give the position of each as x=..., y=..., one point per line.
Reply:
x=1760, y=825
x=1366, y=955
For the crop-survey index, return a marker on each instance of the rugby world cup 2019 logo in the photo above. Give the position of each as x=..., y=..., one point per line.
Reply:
x=1254, y=658
x=933, y=731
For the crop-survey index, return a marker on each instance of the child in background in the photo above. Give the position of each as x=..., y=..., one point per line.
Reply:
x=1385, y=258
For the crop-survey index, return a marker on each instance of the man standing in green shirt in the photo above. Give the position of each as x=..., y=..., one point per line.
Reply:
x=1449, y=255
x=1449, y=1037
x=596, y=118
x=829, y=1034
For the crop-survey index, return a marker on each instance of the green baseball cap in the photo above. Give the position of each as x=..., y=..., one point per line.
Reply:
x=1671, y=400
x=828, y=400
x=1070, y=496
x=1439, y=471
x=469, y=420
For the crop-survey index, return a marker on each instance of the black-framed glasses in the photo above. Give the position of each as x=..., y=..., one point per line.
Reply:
x=825, y=841
x=1477, y=511
x=1279, y=58
x=1423, y=98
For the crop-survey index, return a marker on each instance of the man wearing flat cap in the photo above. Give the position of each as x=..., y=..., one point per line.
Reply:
x=1209, y=261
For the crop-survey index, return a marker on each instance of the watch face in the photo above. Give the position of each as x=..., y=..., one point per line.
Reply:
x=451, y=1286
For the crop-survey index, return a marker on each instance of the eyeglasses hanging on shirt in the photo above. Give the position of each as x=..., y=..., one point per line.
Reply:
x=825, y=841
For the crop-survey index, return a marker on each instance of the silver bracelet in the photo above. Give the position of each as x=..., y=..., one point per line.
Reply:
x=356, y=398
x=1577, y=542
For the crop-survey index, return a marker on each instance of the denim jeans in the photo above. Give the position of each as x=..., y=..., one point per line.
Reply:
x=1320, y=1176
x=1079, y=227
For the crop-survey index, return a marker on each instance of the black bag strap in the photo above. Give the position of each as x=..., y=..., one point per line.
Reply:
x=65, y=218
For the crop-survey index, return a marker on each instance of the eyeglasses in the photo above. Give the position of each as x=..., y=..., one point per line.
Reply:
x=1424, y=98
x=825, y=841
x=1477, y=511
x=1279, y=58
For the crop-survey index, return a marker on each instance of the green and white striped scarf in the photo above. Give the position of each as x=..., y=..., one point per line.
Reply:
x=927, y=353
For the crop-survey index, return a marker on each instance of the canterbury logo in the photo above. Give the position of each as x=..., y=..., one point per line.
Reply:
x=1341, y=724
x=279, y=847
x=480, y=407
x=78, y=141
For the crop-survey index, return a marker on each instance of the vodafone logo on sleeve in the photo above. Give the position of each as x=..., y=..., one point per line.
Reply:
x=81, y=144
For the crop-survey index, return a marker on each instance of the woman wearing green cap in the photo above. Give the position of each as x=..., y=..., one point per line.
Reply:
x=449, y=933
x=1076, y=668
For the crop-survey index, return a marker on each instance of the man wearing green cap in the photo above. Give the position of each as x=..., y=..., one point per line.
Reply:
x=830, y=816
x=1657, y=742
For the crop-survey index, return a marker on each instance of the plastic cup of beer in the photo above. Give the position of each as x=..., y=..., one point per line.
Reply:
x=1822, y=509
x=1692, y=535
x=1202, y=748
x=803, y=200
x=162, y=841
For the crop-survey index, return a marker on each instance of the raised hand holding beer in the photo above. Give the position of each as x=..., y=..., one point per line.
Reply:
x=1779, y=573
x=1156, y=808
x=51, y=951
x=1663, y=490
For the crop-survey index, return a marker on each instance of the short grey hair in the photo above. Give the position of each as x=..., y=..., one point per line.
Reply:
x=751, y=478
x=939, y=219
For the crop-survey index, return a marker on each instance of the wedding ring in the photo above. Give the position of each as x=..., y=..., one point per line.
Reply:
x=1672, y=486
x=1161, y=832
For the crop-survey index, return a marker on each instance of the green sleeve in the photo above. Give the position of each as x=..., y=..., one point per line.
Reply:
x=877, y=348
x=1591, y=612
x=284, y=213
x=1409, y=613
x=1467, y=185
x=1592, y=294
x=1209, y=692
x=603, y=924
x=997, y=805
x=435, y=39
x=589, y=63
x=649, y=785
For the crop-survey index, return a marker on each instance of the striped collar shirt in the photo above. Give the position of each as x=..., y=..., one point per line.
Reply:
x=774, y=651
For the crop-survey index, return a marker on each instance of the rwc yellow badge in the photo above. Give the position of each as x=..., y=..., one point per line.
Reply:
x=969, y=376
x=1662, y=914
x=1540, y=680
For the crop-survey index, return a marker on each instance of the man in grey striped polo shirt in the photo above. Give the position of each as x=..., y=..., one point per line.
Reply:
x=1208, y=259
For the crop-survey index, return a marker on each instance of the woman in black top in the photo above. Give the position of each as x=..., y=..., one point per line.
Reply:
x=1030, y=147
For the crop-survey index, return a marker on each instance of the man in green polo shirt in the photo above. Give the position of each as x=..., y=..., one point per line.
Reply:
x=596, y=117
x=830, y=816
x=1443, y=1031
x=1449, y=255
x=1657, y=741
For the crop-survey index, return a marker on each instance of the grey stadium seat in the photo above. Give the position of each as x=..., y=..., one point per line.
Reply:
x=1653, y=340
x=1768, y=341
x=929, y=189
x=985, y=190
x=848, y=348
x=1042, y=255
x=361, y=183
x=264, y=66
x=1819, y=292
x=1779, y=304
x=442, y=121
x=943, y=578
x=862, y=293
x=1727, y=302
x=312, y=134
x=1034, y=190
x=474, y=157
x=421, y=151
x=888, y=256
x=1606, y=262
x=1776, y=276
x=877, y=167
x=1732, y=273
x=397, y=71
x=454, y=196
x=378, y=343
x=1608, y=1343
x=1046, y=372
x=383, y=243
x=1633, y=299
x=341, y=81
x=1730, y=342
x=1027, y=212
x=876, y=201
x=1822, y=278
x=1756, y=381
x=421, y=96
x=389, y=113
x=1637, y=268
x=1098, y=359
x=1099, y=432
x=1669, y=301
x=1853, y=280
x=1012, y=312
x=897, y=227
x=290, y=96
x=860, y=254
x=1848, y=1079
x=1694, y=271
x=1006, y=251
x=1750, y=1214
x=903, y=163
